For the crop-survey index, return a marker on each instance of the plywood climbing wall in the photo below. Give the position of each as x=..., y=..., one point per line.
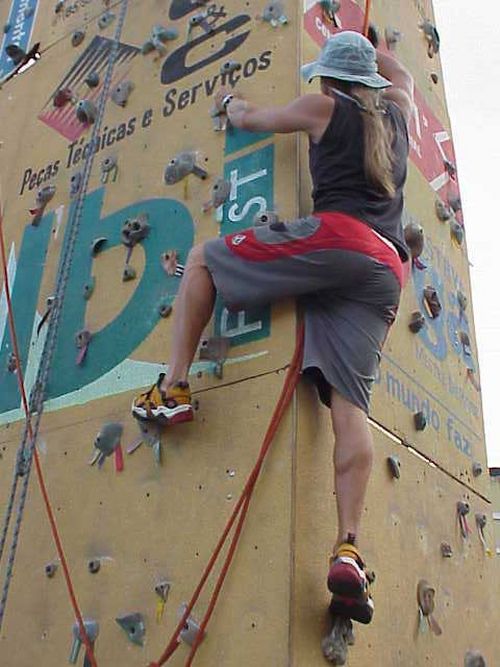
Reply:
x=159, y=521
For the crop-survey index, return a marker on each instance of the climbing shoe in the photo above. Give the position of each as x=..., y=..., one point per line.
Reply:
x=349, y=585
x=169, y=407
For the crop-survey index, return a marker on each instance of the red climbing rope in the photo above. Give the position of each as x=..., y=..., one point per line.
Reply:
x=38, y=467
x=240, y=511
x=366, y=23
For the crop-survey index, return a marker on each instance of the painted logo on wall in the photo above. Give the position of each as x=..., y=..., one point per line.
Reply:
x=94, y=59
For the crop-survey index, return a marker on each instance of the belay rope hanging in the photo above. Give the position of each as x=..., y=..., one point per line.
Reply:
x=27, y=448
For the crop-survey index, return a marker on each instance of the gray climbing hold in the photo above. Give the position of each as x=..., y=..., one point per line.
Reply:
x=12, y=363
x=474, y=659
x=86, y=112
x=230, y=66
x=92, y=632
x=274, y=13
x=59, y=6
x=392, y=37
x=122, y=92
x=106, y=20
x=457, y=232
x=45, y=195
x=106, y=442
x=29, y=11
x=417, y=321
x=94, y=565
x=477, y=469
x=93, y=80
x=414, y=237
x=75, y=183
x=265, y=218
x=191, y=628
x=432, y=36
x=455, y=203
x=135, y=230
x=431, y=301
x=129, y=273
x=394, y=465
x=88, y=289
x=134, y=627
x=109, y=169
x=97, y=245
x=446, y=550
x=221, y=190
x=165, y=310
x=420, y=421
x=463, y=508
x=462, y=301
x=181, y=166
x=465, y=341
x=50, y=570
x=158, y=38
x=434, y=78
x=443, y=212
x=215, y=349
x=77, y=37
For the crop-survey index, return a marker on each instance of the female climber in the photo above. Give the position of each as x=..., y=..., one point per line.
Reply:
x=345, y=262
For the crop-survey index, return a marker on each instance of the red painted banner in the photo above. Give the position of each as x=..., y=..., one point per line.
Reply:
x=431, y=147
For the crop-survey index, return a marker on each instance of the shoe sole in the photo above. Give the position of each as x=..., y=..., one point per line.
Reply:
x=349, y=580
x=168, y=416
x=355, y=609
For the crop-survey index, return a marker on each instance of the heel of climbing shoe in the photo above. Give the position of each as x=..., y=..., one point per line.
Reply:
x=360, y=609
x=346, y=578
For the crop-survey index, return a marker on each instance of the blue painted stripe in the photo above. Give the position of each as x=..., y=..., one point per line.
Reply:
x=19, y=33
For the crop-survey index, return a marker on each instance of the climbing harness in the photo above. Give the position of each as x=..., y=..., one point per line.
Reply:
x=27, y=449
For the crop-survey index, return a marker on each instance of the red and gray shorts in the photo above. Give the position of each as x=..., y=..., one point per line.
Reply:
x=348, y=279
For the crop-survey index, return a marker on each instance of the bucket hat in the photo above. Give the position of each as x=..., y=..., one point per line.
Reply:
x=347, y=56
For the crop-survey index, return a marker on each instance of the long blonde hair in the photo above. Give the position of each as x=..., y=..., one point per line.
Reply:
x=378, y=136
x=379, y=156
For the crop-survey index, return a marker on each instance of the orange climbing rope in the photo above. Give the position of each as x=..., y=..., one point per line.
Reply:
x=366, y=22
x=38, y=467
x=240, y=511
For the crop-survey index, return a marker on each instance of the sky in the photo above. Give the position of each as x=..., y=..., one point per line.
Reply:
x=470, y=56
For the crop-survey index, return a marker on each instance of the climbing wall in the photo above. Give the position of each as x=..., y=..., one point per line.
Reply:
x=112, y=155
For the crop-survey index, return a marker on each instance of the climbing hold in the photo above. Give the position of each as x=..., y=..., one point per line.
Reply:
x=170, y=263
x=7, y=27
x=129, y=273
x=82, y=342
x=432, y=36
x=12, y=363
x=221, y=190
x=42, y=199
x=431, y=301
x=463, y=509
x=434, y=77
x=457, y=232
x=330, y=8
x=392, y=37
x=465, y=340
x=162, y=590
x=50, y=304
x=50, y=570
x=477, y=469
x=62, y=97
x=29, y=11
x=417, y=321
x=122, y=92
x=450, y=168
x=462, y=302
x=88, y=289
x=135, y=230
x=230, y=66
x=159, y=37
x=97, y=245
x=59, y=6
x=109, y=169
x=134, y=627
x=92, y=631
x=474, y=659
x=455, y=203
x=86, y=112
x=75, y=183
x=191, y=628
x=394, y=465
x=219, y=118
x=443, y=212
x=481, y=521
x=471, y=376
x=165, y=310
x=106, y=442
x=181, y=166
x=106, y=20
x=93, y=80
x=426, y=604
x=414, y=237
x=265, y=218
x=205, y=20
x=150, y=436
x=446, y=550
x=77, y=37
x=336, y=644
x=274, y=13
x=420, y=421
x=15, y=53
x=94, y=565
x=215, y=349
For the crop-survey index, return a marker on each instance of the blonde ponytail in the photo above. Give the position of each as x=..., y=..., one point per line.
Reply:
x=378, y=136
